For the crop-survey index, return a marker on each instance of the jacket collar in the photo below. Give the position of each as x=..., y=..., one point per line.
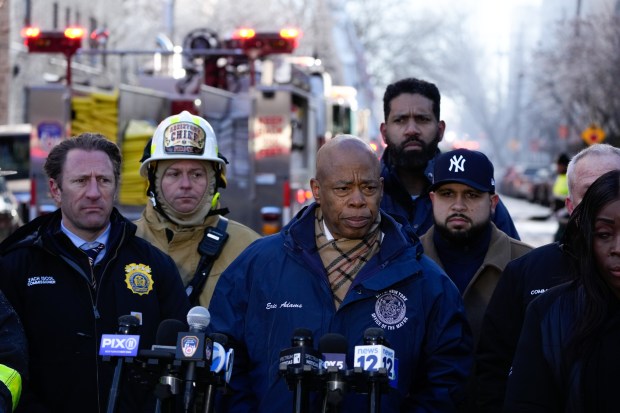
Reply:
x=299, y=234
x=44, y=230
x=159, y=222
x=498, y=252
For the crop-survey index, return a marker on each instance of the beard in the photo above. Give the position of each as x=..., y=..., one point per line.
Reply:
x=414, y=160
x=463, y=236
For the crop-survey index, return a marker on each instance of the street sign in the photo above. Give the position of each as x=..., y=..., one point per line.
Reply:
x=593, y=134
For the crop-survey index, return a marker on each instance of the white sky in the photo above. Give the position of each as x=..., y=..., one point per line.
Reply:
x=490, y=18
x=491, y=21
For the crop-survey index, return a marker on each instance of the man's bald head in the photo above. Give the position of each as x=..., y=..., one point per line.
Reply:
x=336, y=147
x=348, y=186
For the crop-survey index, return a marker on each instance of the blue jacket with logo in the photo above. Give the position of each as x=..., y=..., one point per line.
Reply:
x=279, y=284
x=46, y=279
x=418, y=213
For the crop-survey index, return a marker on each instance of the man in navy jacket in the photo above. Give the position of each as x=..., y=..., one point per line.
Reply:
x=66, y=300
x=342, y=266
x=412, y=131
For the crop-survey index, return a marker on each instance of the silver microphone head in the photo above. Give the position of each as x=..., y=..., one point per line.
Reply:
x=198, y=318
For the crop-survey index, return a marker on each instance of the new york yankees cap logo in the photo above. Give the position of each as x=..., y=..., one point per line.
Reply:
x=464, y=166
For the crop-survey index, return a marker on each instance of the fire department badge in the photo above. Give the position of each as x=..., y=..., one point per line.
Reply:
x=189, y=344
x=184, y=138
x=138, y=278
x=390, y=310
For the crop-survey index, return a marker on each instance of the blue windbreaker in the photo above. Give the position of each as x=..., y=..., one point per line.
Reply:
x=279, y=284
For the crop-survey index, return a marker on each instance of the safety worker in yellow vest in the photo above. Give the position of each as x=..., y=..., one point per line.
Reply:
x=13, y=356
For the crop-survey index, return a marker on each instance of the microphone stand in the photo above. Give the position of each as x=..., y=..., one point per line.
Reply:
x=335, y=388
x=378, y=380
x=296, y=379
x=209, y=397
x=114, y=388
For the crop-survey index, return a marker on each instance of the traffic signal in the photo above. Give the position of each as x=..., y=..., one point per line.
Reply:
x=262, y=44
x=66, y=42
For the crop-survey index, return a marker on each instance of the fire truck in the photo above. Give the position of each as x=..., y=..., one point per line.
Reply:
x=270, y=110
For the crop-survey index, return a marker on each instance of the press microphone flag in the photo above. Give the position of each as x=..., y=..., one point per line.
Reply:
x=123, y=344
x=298, y=364
x=334, y=375
x=301, y=353
x=193, y=347
x=333, y=348
x=374, y=355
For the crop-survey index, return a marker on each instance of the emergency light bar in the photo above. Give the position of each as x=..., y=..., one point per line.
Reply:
x=67, y=41
x=258, y=44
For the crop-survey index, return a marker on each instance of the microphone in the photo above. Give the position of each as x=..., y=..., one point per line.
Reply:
x=123, y=344
x=192, y=347
x=167, y=334
x=377, y=362
x=218, y=364
x=297, y=363
x=223, y=359
x=334, y=347
x=168, y=385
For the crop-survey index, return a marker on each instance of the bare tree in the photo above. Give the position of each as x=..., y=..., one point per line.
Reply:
x=577, y=76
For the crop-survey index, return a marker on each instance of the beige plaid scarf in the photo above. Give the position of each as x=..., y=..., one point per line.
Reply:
x=343, y=258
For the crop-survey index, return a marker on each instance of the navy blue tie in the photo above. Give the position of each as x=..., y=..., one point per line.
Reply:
x=92, y=249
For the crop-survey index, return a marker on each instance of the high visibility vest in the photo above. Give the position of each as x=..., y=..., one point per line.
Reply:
x=13, y=381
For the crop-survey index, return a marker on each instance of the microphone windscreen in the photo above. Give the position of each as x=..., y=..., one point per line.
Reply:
x=128, y=324
x=219, y=338
x=373, y=332
x=333, y=343
x=168, y=331
x=198, y=318
x=374, y=335
x=302, y=337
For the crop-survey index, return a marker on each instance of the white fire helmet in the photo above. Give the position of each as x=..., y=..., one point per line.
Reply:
x=183, y=136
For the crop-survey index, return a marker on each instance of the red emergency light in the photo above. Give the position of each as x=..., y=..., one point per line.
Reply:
x=66, y=42
x=258, y=44
x=74, y=33
x=243, y=34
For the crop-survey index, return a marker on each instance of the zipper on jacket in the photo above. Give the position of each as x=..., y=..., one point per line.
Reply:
x=105, y=269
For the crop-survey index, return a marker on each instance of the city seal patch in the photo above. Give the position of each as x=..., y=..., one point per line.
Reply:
x=390, y=310
x=138, y=278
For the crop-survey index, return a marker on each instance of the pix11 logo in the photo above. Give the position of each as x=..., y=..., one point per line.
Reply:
x=119, y=345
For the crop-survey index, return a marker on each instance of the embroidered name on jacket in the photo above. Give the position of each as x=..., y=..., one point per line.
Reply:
x=390, y=310
x=138, y=278
x=286, y=304
x=41, y=280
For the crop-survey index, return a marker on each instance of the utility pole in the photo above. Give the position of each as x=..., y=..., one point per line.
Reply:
x=577, y=17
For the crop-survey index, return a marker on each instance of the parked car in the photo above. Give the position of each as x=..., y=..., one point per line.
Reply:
x=9, y=217
x=533, y=183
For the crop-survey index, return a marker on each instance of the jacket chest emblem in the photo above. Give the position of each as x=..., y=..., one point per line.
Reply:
x=138, y=278
x=390, y=310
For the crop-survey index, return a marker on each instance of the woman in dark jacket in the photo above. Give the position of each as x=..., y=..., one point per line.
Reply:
x=567, y=359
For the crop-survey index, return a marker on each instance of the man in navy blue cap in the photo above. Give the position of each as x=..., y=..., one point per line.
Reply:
x=463, y=240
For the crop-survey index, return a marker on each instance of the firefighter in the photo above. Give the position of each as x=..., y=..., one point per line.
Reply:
x=183, y=218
